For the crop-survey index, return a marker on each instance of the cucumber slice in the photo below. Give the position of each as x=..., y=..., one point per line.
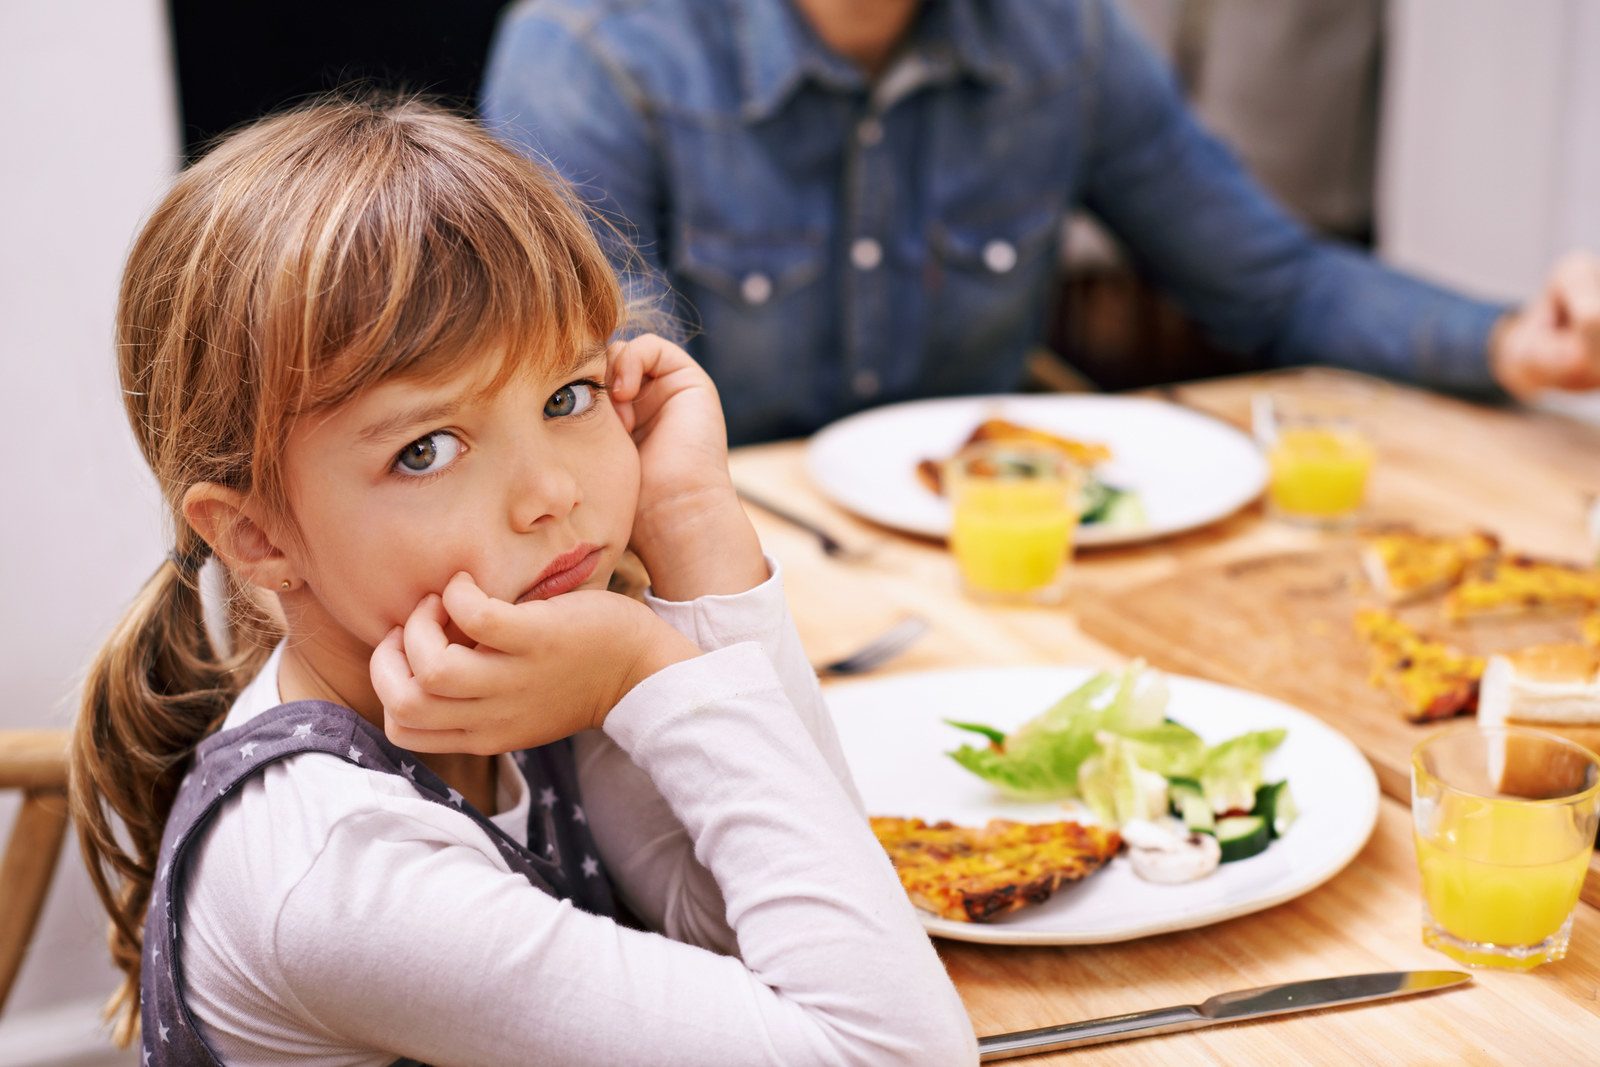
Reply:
x=1125, y=511
x=1242, y=836
x=1095, y=498
x=1275, y=804
x=1189, y=804
x=1106, y=505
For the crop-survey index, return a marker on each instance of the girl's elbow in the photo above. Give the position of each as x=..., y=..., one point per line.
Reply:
x=942, y=1038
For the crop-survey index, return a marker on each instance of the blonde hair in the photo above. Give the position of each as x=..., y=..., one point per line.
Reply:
x=305, y=258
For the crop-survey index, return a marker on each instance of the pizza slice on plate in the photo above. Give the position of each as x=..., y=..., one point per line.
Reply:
x=971, y=875
x=1431, y=679
x=930, y=472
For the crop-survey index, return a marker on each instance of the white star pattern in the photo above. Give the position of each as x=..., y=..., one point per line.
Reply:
x=203, y=780
x=246, y=749
x=303, y=730
x=550, y=848
x=356, y=753
x=591, y=867
x=408, y=769
x=455, y=798
x=166, y=868
x=164, y=1032
x=157, y=953
x=578, y=815
x=147, y=1055
x=547, y=798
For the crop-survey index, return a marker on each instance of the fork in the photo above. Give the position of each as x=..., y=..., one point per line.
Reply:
x=891, y=643
x=831, y=546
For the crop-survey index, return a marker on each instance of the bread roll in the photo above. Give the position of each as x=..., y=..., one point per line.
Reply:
x=1554, y=688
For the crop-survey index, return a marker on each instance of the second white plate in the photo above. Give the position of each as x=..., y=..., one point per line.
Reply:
x=1188, y=468
x=895, y=743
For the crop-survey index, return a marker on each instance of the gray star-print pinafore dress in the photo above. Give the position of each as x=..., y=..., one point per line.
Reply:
x=560, y=858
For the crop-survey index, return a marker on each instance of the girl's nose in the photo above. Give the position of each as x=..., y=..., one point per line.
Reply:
x=542, y=488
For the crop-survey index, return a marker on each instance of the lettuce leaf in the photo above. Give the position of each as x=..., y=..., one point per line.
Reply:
x=1115, y=785
x=1109, y=742
x=1171, y=750
x=1040, y=759
x=1231, y=773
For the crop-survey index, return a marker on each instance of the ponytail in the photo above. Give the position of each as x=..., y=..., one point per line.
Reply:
x=157, y=688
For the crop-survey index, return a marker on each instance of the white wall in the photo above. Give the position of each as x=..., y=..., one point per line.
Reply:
x=90, y=136
x=1490, y=167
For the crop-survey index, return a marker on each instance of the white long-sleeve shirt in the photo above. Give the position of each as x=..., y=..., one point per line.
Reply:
x=334, y=916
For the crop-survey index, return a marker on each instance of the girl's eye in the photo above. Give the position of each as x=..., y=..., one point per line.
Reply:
x=572, y=399
x=428, y=455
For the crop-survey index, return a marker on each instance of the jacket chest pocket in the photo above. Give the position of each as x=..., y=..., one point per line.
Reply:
x=754, y=271
x=988, y=282
x=759, y=304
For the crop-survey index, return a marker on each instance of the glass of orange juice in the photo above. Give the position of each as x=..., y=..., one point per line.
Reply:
x=1314, y=428
x=1504, y=820
x=1014, y=510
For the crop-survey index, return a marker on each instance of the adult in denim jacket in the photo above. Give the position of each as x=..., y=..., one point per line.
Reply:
x=862, y=202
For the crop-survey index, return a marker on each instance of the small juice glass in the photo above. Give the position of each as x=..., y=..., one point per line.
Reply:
x=1014, y=510
x=1504, y=821
x=1314, y=430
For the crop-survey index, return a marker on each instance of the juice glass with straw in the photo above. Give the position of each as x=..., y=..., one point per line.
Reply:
x=1504, y=820
x=1014, y=510
x=1314, y=427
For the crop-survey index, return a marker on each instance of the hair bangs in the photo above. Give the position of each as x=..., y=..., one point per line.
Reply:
x=450, y=258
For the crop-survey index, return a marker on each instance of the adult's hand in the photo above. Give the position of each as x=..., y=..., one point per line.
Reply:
x=524, y=675
x=1554, y=341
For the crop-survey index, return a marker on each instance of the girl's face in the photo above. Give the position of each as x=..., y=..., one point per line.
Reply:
x=529, y=487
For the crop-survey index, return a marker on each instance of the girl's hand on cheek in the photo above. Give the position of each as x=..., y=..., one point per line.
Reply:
x=532, y=673
x=671, y=408
x=690, y=529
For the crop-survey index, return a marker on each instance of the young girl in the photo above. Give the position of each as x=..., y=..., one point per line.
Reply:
x=364, y=350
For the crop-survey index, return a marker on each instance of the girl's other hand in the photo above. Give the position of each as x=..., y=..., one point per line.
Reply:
x=531, y=673
x=690, y=530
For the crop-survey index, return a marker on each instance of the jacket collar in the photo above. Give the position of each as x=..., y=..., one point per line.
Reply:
x=778, y=51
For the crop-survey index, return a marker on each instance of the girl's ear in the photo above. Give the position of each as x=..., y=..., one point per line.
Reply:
x=227, y=521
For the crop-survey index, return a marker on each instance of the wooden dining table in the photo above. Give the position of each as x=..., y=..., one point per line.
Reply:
x=1253, y=602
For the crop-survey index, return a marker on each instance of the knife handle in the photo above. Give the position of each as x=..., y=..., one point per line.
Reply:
x=1091, y=1032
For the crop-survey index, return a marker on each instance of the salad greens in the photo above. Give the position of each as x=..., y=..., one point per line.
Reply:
x=1040, y=759
x=1110, y=744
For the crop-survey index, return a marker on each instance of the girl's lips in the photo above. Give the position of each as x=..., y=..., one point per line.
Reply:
x=567, y=571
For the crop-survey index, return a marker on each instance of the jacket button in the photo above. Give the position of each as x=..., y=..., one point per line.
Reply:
x=999, y=256
x=869, y=132
x=866, y=253
x=756, y=288
x=865, y=383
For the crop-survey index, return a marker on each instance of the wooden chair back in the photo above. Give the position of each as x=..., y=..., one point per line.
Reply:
x=35, y=762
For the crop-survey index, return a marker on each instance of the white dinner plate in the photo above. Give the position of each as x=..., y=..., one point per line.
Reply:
x=895, y=743
x=1188, y=468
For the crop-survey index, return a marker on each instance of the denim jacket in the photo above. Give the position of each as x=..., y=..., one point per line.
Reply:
x=840, y=242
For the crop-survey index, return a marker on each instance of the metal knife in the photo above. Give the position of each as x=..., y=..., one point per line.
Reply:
x=1222, y=1008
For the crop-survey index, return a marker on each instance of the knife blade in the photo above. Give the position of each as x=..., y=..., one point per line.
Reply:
x=1222, y=1008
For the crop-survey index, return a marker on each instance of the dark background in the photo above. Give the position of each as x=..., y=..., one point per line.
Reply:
x=237, y=61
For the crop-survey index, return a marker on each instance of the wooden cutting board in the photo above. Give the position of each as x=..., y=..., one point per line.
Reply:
x=1281, y=625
